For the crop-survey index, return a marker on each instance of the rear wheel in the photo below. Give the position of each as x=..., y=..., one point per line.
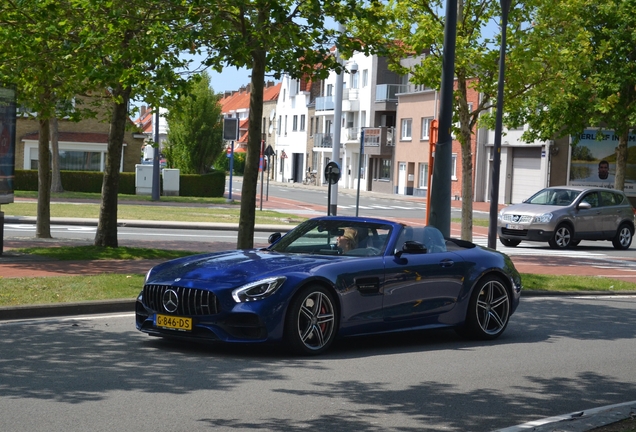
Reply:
x=562, y=237
x=509, y=242
x=310, y=326
x=488, y=310
x=623, y=238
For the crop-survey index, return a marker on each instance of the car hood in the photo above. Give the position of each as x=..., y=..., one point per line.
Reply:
x=531, y=209
x=234, y=268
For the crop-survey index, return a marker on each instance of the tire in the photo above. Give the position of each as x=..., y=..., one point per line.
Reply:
x=623, y=238
x=488, y=311
x=562, y=237
x=574, y=243
x=311, y=322
x=509, y=242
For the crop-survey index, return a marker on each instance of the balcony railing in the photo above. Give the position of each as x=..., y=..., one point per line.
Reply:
x=324, y=140
x=388, y=92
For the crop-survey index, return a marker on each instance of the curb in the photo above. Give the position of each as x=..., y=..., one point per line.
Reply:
x=77, y=308
x=579, y=421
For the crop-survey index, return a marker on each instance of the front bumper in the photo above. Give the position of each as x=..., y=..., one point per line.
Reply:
x=530, y=234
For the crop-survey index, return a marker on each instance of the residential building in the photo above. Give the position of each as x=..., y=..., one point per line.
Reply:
x=368, y=103
x=82, y=145
x=292, y=114
x=236, y=104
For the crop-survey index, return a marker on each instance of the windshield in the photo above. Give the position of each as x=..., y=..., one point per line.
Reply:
x=556, y=197
x=335, y=237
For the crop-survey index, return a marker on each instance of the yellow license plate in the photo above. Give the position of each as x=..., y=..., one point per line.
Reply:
x=174, y=322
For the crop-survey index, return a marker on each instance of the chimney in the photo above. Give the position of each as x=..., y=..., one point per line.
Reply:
x=143, y=111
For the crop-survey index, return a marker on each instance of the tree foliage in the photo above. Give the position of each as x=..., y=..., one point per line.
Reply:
x=272, y=37
x=419, y=28
x=195, y=135
x=591, y=48
x=39, y=39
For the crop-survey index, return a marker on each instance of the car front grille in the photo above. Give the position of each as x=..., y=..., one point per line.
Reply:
x=516, y=218
x=191, y=302
x=520, y=233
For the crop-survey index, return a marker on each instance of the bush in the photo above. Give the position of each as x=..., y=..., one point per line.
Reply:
x=207, y=185
x=194, y=185
x=223, y=163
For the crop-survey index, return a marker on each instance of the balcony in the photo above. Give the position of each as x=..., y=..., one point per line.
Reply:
x=350, y=101
x=389, y=92
x=379, y=141
x=323, y=140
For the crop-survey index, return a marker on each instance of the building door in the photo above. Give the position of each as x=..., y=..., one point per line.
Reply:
x=402, y=178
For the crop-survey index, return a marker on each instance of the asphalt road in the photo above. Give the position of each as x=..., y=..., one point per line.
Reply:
x=558, y=355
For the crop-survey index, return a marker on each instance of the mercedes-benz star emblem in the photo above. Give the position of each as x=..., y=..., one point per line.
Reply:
x=170, y=301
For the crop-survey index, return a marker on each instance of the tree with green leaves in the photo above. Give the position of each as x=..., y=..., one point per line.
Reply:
x=132, y=49
x=591, y=47
x=276, y=37
x=39, y=38
x=195, y=134
x=419, y=28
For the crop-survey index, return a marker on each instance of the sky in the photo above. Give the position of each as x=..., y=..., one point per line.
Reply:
x=230, y=79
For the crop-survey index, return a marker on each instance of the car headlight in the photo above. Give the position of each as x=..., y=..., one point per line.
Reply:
x=257, y=290
x=500, y=215
x=544, y=218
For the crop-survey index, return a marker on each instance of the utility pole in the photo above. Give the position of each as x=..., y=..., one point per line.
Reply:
x=496, y=157
x=440, y=204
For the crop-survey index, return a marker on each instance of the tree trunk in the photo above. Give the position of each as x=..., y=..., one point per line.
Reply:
x=465, y=139
x=43, y=223
x=106, y=235
x=250, y=176
x=621, y=159
x=56, y=178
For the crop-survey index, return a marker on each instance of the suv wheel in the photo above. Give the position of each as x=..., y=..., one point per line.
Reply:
x=509, y=242
x=562, y=237
x=623, y=238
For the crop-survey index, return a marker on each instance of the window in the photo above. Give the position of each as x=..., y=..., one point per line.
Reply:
x=454, y=167
x=406, y=129
x=354, y=81
x=329, y=90
x=365, y=78
x=278, y=128
x=385, y=169
x=426, y=127
x=295, y=123
x=285, y=125
x=423, y=181
x=302, y=122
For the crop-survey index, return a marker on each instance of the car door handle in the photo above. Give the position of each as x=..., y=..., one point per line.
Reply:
x=446, y=263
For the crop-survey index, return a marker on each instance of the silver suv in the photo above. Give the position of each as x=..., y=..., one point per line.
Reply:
x=565, y=215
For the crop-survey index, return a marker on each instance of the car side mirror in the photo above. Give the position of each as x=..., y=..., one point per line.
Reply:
x=584, y=205
x=273, y=238
x=411, y=247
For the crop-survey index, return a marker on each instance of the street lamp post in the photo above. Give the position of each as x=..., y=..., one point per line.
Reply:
x=337, y=124
x=496, y=160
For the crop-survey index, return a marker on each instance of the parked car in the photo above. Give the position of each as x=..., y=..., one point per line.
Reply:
x=565, y=215
x=332, y=277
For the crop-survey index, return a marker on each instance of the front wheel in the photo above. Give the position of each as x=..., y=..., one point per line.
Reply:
x=509, y=242
x=311, y=322
x=562, y=237
x=623, y=238
x=488, y=310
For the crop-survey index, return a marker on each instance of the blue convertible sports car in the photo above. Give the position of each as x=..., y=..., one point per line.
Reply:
x=332, y=277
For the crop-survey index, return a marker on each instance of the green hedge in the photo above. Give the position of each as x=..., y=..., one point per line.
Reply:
x=208, y=185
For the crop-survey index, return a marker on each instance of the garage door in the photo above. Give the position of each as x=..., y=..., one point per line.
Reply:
x=526, y=173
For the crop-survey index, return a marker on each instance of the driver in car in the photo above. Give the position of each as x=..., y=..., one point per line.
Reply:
x=348, y=240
